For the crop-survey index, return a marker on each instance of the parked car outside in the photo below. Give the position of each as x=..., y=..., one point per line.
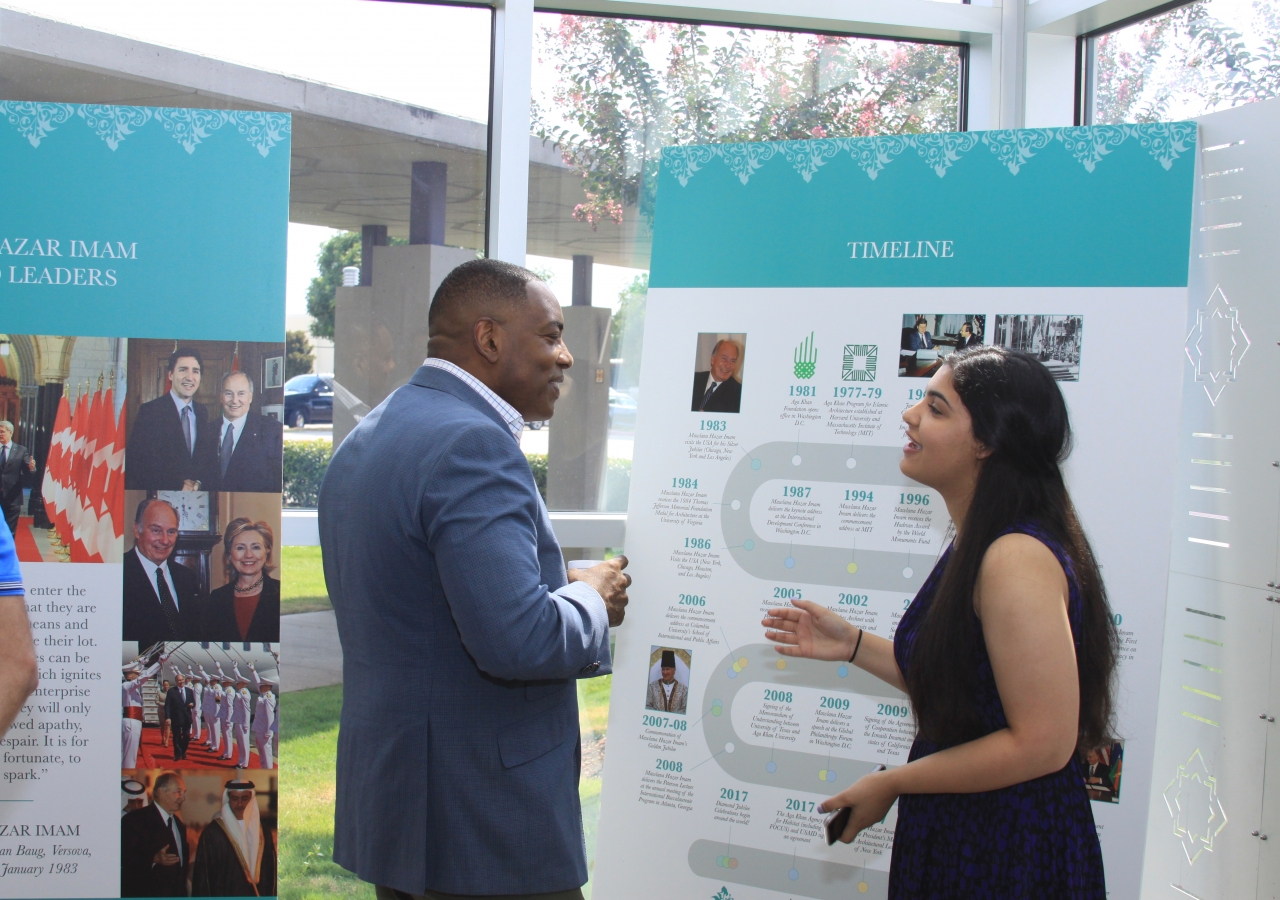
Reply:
x=308, y=399
x=622, y=409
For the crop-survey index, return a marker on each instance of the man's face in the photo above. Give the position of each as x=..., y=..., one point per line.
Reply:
x=534, y=356
x=6, y=434
x=185, y=377
x=668, y=674
x=181, y=681
x=237, y=395
x=922, y=327
x=724, y=360
x=157, y=532
x=239, y=802
x=172, y=795
x=136, y=803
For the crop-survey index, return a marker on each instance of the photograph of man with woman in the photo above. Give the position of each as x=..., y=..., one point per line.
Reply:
x=188, y=576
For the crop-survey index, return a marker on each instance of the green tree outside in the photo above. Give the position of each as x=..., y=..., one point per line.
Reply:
x=298, y=356
x=340, y=251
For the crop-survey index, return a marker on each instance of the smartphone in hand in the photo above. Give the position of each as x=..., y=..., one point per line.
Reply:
x=838, y=821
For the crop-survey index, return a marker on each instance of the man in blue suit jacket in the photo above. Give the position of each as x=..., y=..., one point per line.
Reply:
x=462, y=635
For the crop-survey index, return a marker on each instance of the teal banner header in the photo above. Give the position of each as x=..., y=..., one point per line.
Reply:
x=143, y=221
x=1106, y=206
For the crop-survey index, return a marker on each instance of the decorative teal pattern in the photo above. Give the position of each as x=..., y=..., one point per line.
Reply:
x=1166, y=142
x=189, y=127
x=1054, y=207
x=193, y=202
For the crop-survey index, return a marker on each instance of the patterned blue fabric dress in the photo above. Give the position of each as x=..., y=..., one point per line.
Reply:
x=1032, y=840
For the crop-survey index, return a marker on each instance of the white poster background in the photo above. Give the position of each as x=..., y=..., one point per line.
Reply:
x=701, y=792
x=60, y=762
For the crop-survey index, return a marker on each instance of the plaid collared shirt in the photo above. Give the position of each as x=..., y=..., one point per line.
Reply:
x=514, y=420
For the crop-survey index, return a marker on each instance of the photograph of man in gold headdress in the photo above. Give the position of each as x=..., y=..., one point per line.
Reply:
x=668, y=692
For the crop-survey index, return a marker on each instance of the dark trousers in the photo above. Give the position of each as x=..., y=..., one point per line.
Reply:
x=386, y=893
x=11, y=512
x=181, y=737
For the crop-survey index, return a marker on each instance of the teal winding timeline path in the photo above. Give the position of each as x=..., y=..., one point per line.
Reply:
x=778, y=767
x=876, y=569
x=788, y=769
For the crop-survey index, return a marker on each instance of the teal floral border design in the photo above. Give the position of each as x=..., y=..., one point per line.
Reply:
x=189, y=127
x=1014, y=148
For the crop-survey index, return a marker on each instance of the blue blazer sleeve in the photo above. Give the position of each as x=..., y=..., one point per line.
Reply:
x=10, y=573
x=480, y=515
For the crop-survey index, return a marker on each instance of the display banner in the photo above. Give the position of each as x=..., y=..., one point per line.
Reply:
x=1215, y=794
x=142, y=260
x=817, y=285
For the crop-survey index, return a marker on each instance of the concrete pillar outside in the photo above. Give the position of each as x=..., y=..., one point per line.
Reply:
x=579, y=433
x=582, y=280
x=427, y=203
x=370, y=236
x=380, y=331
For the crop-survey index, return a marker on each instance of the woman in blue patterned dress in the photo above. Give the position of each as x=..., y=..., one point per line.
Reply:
x=1008, y=652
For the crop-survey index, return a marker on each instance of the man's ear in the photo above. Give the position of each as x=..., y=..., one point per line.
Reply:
x=487, y=336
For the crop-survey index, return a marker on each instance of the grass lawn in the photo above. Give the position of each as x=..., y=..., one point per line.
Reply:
x=302, y=581
x=308, y=747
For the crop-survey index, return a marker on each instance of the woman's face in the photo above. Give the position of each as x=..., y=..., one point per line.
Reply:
x=941, y=451
x=249, y=553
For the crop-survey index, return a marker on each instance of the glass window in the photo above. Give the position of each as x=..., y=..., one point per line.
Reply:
x=1197, y=59
x=608, y=94
x=389, y=145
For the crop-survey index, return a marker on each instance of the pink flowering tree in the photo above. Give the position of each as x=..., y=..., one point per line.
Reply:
x=624, y=89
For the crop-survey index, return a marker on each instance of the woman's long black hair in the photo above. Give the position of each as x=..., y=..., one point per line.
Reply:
x=1019, y=415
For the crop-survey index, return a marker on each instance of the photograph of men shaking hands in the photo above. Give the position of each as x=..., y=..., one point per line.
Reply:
x=202, y=422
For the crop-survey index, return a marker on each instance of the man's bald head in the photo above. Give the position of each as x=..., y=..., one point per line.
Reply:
x=502, y=324
x=475, y=289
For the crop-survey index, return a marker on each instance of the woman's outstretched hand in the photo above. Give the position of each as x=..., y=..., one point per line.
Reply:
x=811, y=631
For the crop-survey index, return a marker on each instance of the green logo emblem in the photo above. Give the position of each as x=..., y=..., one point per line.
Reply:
x=806, y=358
x=859, y=362
x=723, y=893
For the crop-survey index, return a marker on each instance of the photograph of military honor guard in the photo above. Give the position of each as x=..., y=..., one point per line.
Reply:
x=717, y=372
x=62, y=446
x=198, y=833
x=929, y=338
x=199, y=418
x=668, y=680
x=201, y=566
x=221, y=706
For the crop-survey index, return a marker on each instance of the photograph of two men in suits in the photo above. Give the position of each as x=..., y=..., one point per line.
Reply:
x=203, y=428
